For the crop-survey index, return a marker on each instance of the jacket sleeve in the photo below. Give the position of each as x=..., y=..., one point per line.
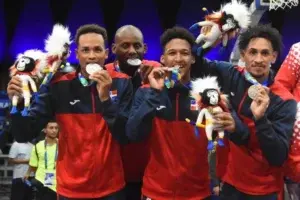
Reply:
x=142, y=113
x=289, y=71
x=274, y=133
x=116, y=113
x=41, y=111
x=242, y=134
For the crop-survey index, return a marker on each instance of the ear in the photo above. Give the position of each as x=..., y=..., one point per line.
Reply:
x=145, y=48
x=113, y=48
x=106, y=53
x=193, y=59
x=76, y=51
x=274, y=55
x=242, y=55
x=162, y=59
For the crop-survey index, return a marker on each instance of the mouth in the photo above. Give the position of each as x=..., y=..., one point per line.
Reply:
x=134, y=61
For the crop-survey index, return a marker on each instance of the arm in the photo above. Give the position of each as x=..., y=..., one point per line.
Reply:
x=200, y=116
x=288, y=73
x=274, y=133
x=13, y=153
x=142, y=113
x=32, y=84
x=116, y=113
x=29, y=172
x=241, y=134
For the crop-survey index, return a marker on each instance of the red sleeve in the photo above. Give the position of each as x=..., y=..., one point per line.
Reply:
x=289, y=71
x=292, y=165
x=151, y=63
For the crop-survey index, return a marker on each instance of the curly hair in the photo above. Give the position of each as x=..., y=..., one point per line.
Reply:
x=261, y=31
x=176, y=33
x=90, y=28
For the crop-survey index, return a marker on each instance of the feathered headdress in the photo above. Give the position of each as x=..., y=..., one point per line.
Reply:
x=223, y=24
x=55, y=44
x=37, y=55
x=201, y=84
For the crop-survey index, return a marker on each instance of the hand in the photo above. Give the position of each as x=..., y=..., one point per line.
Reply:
x=261, y=102
x=157, y=78
x=14, y=87
x=216, y=190
x=144, y=71
x=223, y=121
x=104, y=82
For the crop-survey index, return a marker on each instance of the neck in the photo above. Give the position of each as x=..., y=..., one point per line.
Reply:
x=50, y=140
x=186, y=79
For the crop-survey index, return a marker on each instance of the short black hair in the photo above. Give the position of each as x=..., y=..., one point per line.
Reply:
x=90, y=28
x=261, y=31
x=176, y=32
x=51, y=121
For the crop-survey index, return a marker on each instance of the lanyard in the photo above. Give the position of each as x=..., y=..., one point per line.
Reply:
x=46, y=156
x=84, y=81
x=252, y=80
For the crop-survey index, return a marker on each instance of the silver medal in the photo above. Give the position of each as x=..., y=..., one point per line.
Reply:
x=253, y=91
x=134, y=62
x=92, y=68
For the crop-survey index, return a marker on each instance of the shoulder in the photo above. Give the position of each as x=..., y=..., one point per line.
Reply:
x=279, y=90
x=151, y=63
x=59, y=76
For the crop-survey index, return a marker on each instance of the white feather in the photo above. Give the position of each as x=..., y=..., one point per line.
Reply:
x=54, y=45
x=200, y=84
x=32, y=53
x=240, y=12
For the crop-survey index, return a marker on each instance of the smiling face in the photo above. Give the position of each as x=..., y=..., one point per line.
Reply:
x=91, y=49
x=258, y=57
x=179, y=52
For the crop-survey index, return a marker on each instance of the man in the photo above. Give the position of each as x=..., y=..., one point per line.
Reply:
x=178, y=165
x=129, y=44
x=254, y=169
x=288, y=76
x=91, y=113
x=19, y=155
x=43, y=163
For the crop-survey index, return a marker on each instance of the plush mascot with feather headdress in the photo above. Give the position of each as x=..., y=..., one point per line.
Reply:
x=206, y=92
x=222, y=25
x=27, y=66
x=57, y=47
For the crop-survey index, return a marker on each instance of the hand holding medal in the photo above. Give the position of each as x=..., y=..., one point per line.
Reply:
x=261, y=99
x=102, y=78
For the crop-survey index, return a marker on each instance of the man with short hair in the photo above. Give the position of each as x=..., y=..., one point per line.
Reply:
x=43, y=163
x=129, y=46
x=91, y=110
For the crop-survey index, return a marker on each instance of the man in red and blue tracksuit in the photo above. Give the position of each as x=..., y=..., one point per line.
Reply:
x=91, y=111
x=178, y=164
x=256, y=157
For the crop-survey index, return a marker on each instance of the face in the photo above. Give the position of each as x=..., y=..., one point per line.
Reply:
x=91, y=49
x=213, y=97
x=129, y=45
x=258, y=57
x=178, y=52
x=51, y=130
x=22, y=63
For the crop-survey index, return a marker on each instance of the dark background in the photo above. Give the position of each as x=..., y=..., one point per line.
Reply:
x=25, y=24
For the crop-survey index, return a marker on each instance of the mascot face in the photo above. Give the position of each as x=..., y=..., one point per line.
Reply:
x=229, y=23
x=210, y=97
x=25, y=64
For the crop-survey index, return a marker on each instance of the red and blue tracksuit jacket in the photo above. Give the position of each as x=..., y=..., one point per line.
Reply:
x=256, y=157
x=135, y=156
x=178, y=164
x=89, y=163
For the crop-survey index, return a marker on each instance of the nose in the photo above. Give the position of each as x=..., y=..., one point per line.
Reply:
x=178, y=58
x=258, y=58
x=131, y=50
x=92, y=55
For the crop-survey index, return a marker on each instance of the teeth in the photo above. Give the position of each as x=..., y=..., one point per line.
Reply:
x=92, y=68
x=134, y=62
